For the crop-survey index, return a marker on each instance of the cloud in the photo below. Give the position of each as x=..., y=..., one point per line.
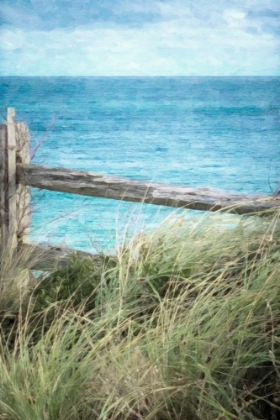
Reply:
x=267, y=19
x=55, y=14
x=139, y=37
x=164, y=48
x=263, y=13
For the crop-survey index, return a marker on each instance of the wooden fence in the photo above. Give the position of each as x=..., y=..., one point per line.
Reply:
x=17, y=175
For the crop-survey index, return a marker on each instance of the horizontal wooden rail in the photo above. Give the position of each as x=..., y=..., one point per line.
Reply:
x=93, y=185
x=49, y=258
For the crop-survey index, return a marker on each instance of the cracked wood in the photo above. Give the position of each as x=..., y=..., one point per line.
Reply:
x=94, y=185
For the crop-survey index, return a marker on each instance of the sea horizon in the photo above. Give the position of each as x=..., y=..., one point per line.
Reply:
x=143, y=76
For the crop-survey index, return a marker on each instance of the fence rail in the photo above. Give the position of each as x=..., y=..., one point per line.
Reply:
x=93, y=185
x=17, y=175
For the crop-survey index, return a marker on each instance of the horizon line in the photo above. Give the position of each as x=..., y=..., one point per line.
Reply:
x=137, y=76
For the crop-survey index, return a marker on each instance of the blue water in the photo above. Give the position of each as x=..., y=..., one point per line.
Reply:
x=198, y=131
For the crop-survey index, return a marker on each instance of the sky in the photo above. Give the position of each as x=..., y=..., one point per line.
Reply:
x=140, y=37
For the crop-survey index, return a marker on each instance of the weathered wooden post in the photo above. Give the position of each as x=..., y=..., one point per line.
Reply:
x=3, y=141
x=23, y=191
x=14, y=198
x=8, y=184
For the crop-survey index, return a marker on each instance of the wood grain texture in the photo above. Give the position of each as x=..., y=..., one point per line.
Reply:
x=3, y=204
x=23, y=211
x=93, y=185
x=11, y=188
x=23, y=191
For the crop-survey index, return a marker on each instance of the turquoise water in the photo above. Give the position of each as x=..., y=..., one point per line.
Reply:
x=219, y=132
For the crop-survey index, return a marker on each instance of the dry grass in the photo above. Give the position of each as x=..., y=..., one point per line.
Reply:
x=182, y=323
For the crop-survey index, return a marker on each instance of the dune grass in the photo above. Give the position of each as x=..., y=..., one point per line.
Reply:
x=182, y=323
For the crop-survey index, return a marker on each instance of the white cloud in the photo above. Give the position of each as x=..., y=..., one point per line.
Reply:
x=234, y=14
x=12, y=40
x=235, y=19
x=181, y=46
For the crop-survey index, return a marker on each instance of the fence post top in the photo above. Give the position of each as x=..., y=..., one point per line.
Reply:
x=11, y=113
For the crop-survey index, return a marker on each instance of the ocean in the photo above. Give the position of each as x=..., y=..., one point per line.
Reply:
x=220, y=132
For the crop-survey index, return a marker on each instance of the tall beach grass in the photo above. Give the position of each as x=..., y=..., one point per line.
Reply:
x=181, y=323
